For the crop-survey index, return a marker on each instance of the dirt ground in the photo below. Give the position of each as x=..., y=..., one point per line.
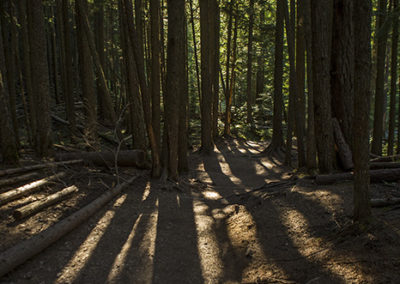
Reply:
x=226, y=222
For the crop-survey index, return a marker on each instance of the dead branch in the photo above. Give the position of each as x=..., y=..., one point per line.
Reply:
x=17, y=179
x=43, y=203
x=28, y=188
x=21, y=252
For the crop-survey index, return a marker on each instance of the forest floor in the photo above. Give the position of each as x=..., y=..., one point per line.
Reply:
x=222, y=223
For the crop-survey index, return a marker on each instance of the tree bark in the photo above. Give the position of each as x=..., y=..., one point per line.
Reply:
x=343, y=148
x=321, y=11
x=40, y=76
x=249, y=63
x=393, y=80
x=36, y=206
x=362, y=79
x=376, y=145
x=17, y=179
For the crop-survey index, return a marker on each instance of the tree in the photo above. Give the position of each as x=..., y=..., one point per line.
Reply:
x=207, y=143
x=376, y=147
x=40, y=76
x=321, y=15
x=277, y=132
x=175, y=81
x=393, y=79
x=249, y=63
x=362, y=79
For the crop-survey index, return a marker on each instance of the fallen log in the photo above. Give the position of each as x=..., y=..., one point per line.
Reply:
x=385, y=202
x=36, y=206
x=21, y=252
x=376, y=176
x=27, y=188
x=345, y=155
x=384, y=165
x=126, y=158
x=38, y=167
x=386, y=159
x=17, y=179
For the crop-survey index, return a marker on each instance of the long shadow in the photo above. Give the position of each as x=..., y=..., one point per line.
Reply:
x=176, y=258
x=213, y=168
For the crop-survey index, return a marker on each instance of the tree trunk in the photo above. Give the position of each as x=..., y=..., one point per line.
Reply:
x=195, y=49
x=342, y=69
x=155, y=68
x=40, y=76
x=321, y=41
x=249, y=63
x=36, y=206
x=393, y=80
x=277, y=132
x=207, y=143
x=376, y=147
x=215, y=29
x=343, y=148
x=86, y=75
x=300, y=81
x=362, y=79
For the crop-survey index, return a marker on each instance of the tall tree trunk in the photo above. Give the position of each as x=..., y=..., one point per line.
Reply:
x=362, y=79
x=214, y=29
x=9, y=44
x=311, y=143
x=155, y=68
x=22, y=11
x=228, y=98
x=66, y=62
x=7, y=137
x=277, y=132
x=40, y=76
x=321, y=40
x=290, y=32
x=376, y=147
x=342, y=69
x=86, y=74
x=300, y=81
x=249, y=63
x=139, y=60
x=175, y=80
x=133, y=91
x=393, y=78
x=195, y=49
x=207, y=143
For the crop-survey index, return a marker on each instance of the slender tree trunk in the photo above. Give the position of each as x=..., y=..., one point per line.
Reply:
x=376, y=147
x=155, y=68
x=195, y=49
x=27, y=64
x=133, y=91
x=393, y=78
x=207, y=143
x=228, y=98
x=138, y=50
x=7, y=137
x=342, y=70
x=311, y=143
x=86, y=74
x=249, y=63
x=277, y=132
x=362, y=79
x=214, y=30
x=321, y=41
x=40, y=76
x=9, y=44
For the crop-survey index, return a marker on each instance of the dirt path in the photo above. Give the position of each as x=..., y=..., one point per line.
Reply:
x=209, y=230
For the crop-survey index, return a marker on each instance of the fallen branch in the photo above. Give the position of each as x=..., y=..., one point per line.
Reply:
x=17, y=179
x=385, y=202
x=376, y=176
x=128, y=158
x=28, y=188
x=38, y=166
x=43, y=203
x=344, y=151
x=384, y=165
x=21, y=252
x=386, y=159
